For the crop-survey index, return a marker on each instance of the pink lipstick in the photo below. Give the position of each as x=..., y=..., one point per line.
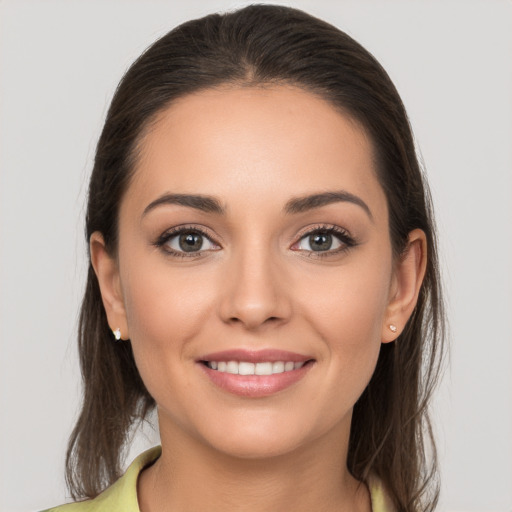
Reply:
x=255, y=373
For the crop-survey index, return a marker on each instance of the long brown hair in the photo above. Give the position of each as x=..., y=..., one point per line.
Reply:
x=264, y=44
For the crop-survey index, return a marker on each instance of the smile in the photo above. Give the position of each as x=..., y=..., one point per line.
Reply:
x=255, y=374
x=248, y=368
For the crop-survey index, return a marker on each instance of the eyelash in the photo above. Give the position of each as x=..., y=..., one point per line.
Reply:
x=341, y=234
x=164, y=238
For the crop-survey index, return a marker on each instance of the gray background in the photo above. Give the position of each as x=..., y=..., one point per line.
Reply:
x=59, y=64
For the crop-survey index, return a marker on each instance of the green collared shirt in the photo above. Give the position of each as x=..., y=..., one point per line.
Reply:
x=122, y=495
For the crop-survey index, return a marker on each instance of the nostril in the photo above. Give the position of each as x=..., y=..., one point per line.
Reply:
x=271, y=319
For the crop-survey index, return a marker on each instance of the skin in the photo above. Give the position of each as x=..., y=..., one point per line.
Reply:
x=256, y=285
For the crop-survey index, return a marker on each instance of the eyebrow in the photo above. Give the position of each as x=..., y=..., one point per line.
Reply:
x=206, y=204
x=305, y=203
x=210, y=204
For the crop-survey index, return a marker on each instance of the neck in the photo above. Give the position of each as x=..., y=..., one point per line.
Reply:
x=190, y=476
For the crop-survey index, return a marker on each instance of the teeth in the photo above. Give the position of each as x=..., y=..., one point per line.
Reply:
x=246, y=368
x=263, y=369
x=278, y=367
x=232, y=367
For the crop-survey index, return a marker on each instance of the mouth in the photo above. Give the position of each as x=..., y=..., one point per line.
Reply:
x=255, y=373
x=248, y=368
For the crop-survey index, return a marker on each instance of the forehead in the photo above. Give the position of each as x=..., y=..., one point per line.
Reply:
x=245, y=144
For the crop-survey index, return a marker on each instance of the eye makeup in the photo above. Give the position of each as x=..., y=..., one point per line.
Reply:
x=188, y=241
x=186, y=236
x=323, y=234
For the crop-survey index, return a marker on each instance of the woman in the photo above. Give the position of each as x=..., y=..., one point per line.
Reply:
x=264, y=272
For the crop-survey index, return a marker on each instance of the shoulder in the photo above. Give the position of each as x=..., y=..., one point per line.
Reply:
x=119, y=497
x=381, y=501
x=80, y=506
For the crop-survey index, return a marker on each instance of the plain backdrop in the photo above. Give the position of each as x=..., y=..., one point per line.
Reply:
x=59, y=64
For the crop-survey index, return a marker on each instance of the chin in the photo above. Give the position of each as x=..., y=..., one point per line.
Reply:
x=262, y=447
x=269, y=437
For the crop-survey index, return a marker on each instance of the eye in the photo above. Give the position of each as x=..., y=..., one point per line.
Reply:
x=325, y=241
x=185, y=241
x=319, y=241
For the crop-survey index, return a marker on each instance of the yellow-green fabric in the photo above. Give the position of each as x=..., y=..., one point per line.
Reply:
x=122, y=495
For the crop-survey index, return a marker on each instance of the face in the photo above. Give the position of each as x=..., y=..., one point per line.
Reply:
x=254, y=273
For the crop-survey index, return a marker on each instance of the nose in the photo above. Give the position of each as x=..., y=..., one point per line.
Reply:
x=254, y=291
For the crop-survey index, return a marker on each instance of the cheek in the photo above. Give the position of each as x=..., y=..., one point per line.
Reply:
x=350, y=305
x=347, y=308
x=164, y=305
x=166, y=311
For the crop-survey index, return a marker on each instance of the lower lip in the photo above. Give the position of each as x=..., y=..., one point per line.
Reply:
x=255, y=386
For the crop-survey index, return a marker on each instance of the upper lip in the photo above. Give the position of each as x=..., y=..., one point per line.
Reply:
x=255, y=356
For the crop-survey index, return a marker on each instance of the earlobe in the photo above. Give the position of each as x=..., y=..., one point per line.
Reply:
x=107, y=272
x=407, y=281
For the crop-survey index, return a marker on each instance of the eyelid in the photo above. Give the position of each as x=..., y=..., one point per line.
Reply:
x=343, y=235
x=175, y=231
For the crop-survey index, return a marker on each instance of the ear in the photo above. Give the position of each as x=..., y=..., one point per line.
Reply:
x=107, y=271
x=405, y=287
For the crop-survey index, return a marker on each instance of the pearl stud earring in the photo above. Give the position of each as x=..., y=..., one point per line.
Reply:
x=117, y=334
x=393, y=328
